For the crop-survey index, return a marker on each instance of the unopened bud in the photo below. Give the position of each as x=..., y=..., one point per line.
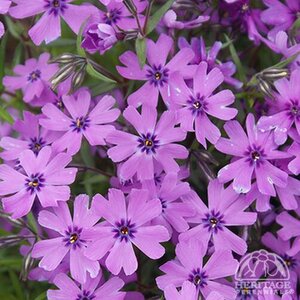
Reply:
x=274, y=73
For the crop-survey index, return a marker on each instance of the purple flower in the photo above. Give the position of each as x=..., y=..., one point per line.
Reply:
x=225, y=208
x=254, y=153
x=288, y=109
x=288, y=15
x=188, y=265
x=170, y=20
x=4, y=6
x=33, y=77
x=153, y=145
x=195, y=105
x=48, y=26
x=71, y=238
x=39, y=176
x=92, y=125
x=119, y=17
x=290, y=229
x=127, y=224
x=280, y=247
x=157, y=72
x=187, y=292
x=174, y=210
x=210, y=57
x=99, y=37
x=31, y=137
x=294, y=149
x=107, y=2
x=91, y=290
x=288, y=195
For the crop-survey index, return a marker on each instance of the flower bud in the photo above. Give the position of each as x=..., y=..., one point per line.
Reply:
x=100, y=38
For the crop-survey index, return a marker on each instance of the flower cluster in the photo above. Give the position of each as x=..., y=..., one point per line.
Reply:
x=148, y=147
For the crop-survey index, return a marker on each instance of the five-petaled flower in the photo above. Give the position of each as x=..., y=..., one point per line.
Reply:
x=33, y=78
x=92, y=125
x=38, y=176
x=188, y=265
x=48, y=26
x=225, y=208
x=153, y=145
x=126, y=224
x=157, y=72
x=254, y=154
x=194, y=106
x=71, y=238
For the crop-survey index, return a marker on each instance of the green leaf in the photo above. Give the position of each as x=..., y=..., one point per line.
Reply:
x=18, y=54
x=236, y=60
x=285, y=62
x=16, y=285
x=296, y=26
x=80, y=50
x=102, y=88
x=14, y=28
x=155, y=18
x=42, y=296
x=2, y=60
x=4, y=115
x=32, y=222
x=92, y=72
x=140, y=48
x=85, y=152
x=94, y=179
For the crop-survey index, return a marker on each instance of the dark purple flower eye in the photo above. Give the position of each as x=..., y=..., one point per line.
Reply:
x=198, y=278
x=213, y=221
x=34, y=76
x=148, y=143
x=112, y=16
x=56, y=6
x=72, y=237
x=80, y=124
x=124, y=230
x=35, y=182
x=36, y=144
x=158, y=75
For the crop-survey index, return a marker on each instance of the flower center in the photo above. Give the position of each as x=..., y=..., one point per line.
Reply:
x=80, y=124
x=124, y=230
x=198, y=278
x=290, y=261
x=295, y=110
x=197, y=104
x=56, y=6
x=213, y=221
x=158, y=75
x=36, y=144
x=60, y=104
x=255, y=155
x=112, y=16
x=148, y=143
x=86, y=295
x=34, y=76
x=72, y=237
x=34, y=182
